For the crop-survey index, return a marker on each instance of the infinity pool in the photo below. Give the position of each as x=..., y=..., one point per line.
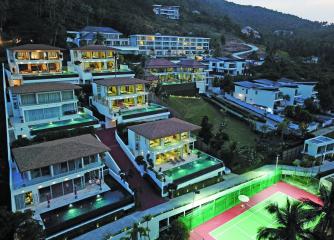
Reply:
x=150, y=108
x=201, y=163
x=63, y=214
x=84, y=118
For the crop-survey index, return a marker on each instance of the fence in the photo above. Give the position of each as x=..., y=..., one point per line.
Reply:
x=208, y=211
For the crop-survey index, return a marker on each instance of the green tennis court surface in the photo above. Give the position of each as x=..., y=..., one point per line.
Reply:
x=246, y=225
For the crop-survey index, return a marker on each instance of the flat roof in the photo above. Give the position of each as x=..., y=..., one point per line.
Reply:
x=163, y=128
x=27, y=47
x=43, y=87
x=321, y=140
x=120, y=81
x=159, y=35
x=57, y=151
x=248, y=84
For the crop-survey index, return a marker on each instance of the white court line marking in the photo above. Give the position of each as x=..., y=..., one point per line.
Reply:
x=265, y=202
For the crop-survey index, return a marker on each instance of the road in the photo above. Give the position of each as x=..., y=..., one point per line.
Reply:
x=253, y=49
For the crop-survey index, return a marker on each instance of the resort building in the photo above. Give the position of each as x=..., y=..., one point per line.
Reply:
x=169, y=73
x=305, y=89
x=190, y=70
x=262, y=96
x=320, y=147
x=37, y=63
x=123, y=100
x=167, y=148
x=222, y=66
x=294, y=93
x=170, y=46
x=94, y=62
x=110, y=37
x=170, y=12
x=40, y=107
x=160, y=70
x=87, y=36
x=63, y=183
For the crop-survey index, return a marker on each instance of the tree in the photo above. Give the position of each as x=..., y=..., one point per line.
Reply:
x=206, y=131
x=283, y=127
x=292, y=220
x=218, y=140
x=99, y=39
x=19, y=226
x=176, y=231
x=323, y=213
x=228, y=84
x=146, y=219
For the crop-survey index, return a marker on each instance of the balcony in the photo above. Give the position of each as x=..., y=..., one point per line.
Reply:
x=172, y=145
x=20, y=181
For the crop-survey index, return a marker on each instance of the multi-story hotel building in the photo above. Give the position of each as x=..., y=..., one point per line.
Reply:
x=170, y=12
x=123, y=100
x=36, y=63
x=170, y=46
x=94, y=62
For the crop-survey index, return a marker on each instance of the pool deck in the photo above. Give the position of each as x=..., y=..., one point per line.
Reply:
x=203, y=231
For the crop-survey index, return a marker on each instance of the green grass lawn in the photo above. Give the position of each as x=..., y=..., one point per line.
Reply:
x=193, y=110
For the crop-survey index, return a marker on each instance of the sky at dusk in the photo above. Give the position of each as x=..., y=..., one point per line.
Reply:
x=317, y=10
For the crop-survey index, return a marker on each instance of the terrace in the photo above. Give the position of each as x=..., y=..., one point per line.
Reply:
x=81, y=120
x=195, y=162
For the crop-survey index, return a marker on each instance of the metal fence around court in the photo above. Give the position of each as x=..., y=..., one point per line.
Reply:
x=212, y=209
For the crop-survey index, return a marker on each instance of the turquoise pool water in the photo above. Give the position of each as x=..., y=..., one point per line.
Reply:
x=84, y=118
x=150, y=108
x=201, y=163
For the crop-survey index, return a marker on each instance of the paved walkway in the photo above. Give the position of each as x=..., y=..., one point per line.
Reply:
x=148, y=197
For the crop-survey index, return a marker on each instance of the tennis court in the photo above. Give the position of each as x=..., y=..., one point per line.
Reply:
x=242, y=222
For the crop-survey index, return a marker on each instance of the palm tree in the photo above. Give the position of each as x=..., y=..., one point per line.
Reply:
x=292, y=221
x=146, y=219
x=323, y=213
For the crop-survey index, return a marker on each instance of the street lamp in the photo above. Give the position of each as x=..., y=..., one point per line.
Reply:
x=277, y=156
x=192, y=214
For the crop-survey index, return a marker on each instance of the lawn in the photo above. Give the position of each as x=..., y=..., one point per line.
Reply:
x=193, y=110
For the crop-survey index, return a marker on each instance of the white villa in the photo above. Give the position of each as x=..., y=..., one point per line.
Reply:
x=320, y=147
x=123, y=100
x=167, y=146
x=222, y=66
x=37, y=63
x=94, y=62
x=267, y=97
x=41, y=107
x=294, y=93
x=170, y=12
x=62, y=181
x=170, y=46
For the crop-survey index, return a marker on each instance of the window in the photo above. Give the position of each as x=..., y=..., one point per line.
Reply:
x=44, y=194
x=28, y=99
x=48, y=97
x=256, y=92
x=67, y=95
x=45, y=171
x=57, y=190
x=37, y=55
x=63, y=167
x=86, y=160
x=69, y=109
x=53, y=55
x=68, y=186
x=306, y=148
x=35, y=173
x=71, y=165
x=40, y=114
